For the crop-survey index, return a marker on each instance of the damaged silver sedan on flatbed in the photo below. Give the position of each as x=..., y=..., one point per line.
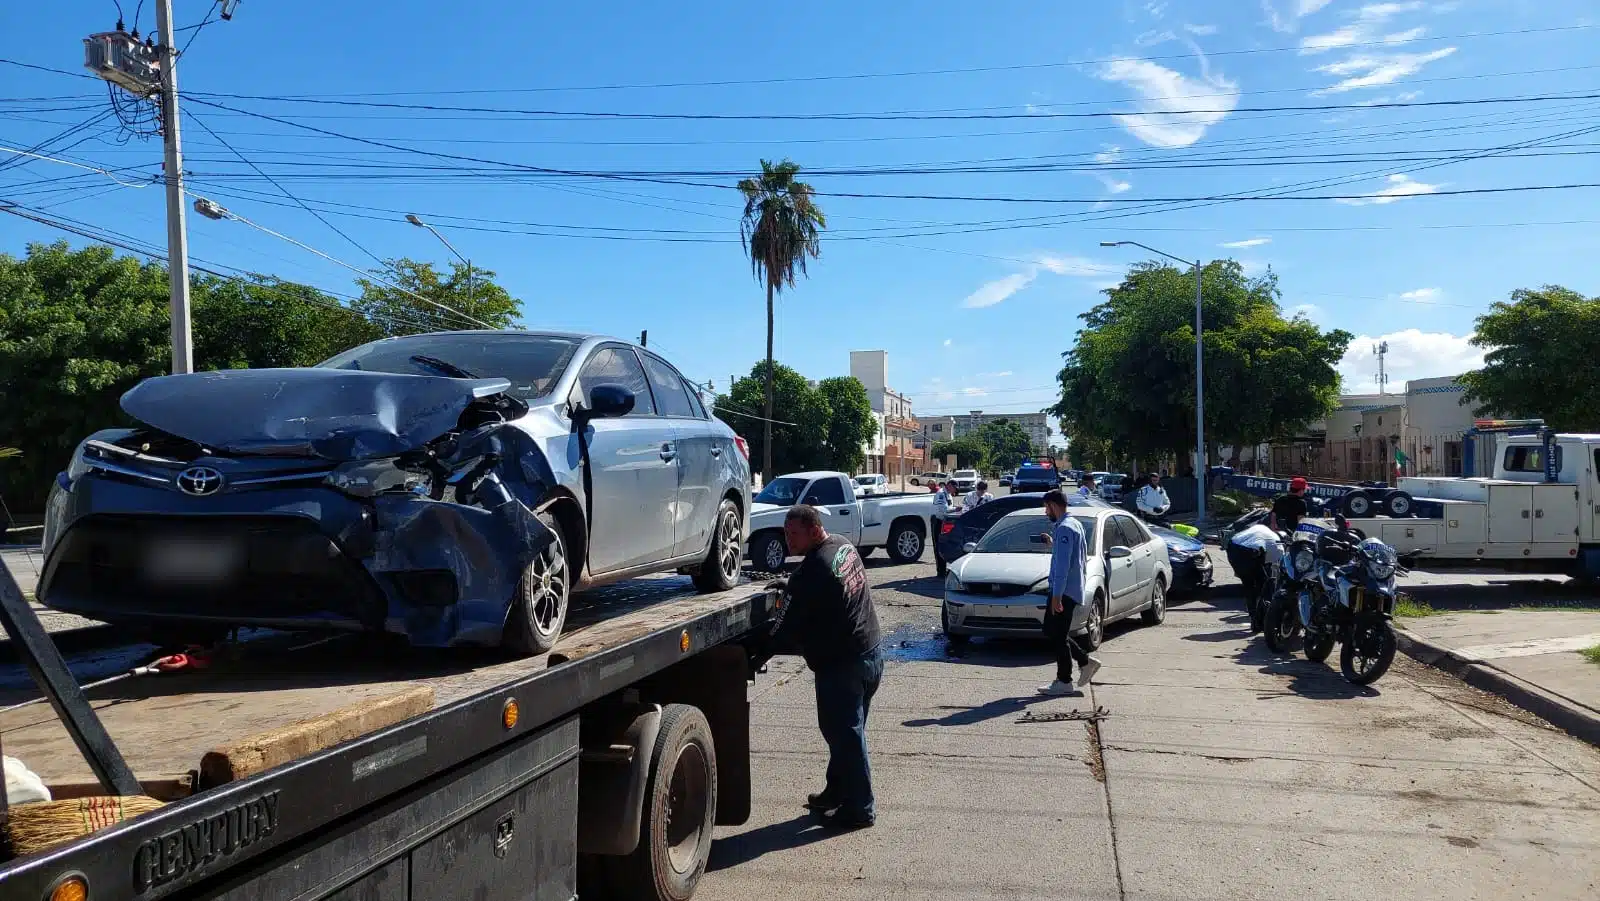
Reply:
x=452, y=487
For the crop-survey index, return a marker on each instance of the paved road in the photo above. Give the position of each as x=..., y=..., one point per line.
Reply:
x=1223, y=772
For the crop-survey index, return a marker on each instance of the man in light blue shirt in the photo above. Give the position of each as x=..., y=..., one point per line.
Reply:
x=1067, y=563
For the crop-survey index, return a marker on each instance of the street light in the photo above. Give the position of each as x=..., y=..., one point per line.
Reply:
x=1199, y=378
x=414, y=220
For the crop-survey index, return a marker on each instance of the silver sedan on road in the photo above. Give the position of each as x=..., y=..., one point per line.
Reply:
x=1001, y=587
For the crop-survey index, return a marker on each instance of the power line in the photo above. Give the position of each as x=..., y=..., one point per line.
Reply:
x=40, y=156
x=206, y=20
x=897, y=116
x=1023, y=67
x=302, y=204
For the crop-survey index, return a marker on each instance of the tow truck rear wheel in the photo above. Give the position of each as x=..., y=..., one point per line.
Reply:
x=539, y=608
x=680, y=811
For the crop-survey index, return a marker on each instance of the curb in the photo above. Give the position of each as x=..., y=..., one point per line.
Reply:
x=1570, y=716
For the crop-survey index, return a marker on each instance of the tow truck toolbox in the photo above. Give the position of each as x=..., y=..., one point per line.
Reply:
x=609, y=759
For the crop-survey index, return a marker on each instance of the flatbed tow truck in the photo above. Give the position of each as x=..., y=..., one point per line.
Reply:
x=343, y=770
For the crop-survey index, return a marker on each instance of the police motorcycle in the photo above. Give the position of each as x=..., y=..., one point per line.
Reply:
x=1294, y=571
x=1347, y=597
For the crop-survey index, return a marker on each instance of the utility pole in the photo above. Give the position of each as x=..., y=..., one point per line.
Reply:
x=172, y=168
x=1381, y=350
x=644, y=338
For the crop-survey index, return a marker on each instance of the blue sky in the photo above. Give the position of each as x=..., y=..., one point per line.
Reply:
x=973, y=299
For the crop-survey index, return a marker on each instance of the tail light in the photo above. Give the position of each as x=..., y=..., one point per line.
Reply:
x=744, y=447
x=945, y=528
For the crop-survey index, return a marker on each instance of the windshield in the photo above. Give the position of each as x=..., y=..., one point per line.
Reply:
x=1019, y=534
x=533, y=363
x=784, y=492
x=868, y=480
x=966, y=474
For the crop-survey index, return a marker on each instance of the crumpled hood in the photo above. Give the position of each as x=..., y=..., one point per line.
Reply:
x=1006, y=569
x=336, y=414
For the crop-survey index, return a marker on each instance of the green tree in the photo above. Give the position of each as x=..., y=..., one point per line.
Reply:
x=799, y=435
x=1007, y=444
x=850, y=421
x=78, y=328
x=970, y=452
x=781, y=227
x=1128, y=382
x=1544, y=359
x=428, y=298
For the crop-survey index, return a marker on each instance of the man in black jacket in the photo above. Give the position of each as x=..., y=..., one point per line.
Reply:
x=830, y=617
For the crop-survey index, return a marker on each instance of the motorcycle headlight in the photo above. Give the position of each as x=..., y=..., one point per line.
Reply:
x=1304, y=559
x=1381, y=559
x=951, y=583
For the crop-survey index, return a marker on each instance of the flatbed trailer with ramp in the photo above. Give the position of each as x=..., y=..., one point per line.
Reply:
x=344, y=768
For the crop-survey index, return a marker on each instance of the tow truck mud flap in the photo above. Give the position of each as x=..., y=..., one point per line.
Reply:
x=502, y=827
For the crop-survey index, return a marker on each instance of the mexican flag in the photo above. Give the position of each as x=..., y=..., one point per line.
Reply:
x=1400, y=461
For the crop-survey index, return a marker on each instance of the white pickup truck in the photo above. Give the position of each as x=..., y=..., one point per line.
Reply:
x=1540, y=511
x=898, y=522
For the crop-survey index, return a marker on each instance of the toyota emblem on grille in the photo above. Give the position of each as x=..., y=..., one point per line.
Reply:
x=199, y=481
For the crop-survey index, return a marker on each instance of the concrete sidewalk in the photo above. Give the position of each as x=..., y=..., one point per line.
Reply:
x=1529, y=657
x=24, y=563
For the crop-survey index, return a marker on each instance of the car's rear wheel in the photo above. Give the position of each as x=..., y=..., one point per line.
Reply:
x=905, y=542
x=720, y=570
x=768, y=551
x=539, y=608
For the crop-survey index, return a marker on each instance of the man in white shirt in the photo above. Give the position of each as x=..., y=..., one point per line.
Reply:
x=1152, y=499
x=1247, y=554
x=941, y=501
x=978, y=496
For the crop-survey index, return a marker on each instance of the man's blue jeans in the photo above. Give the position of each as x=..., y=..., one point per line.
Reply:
x=844, y=695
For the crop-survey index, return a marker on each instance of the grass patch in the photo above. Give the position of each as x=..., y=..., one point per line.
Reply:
x=1406, y=605
x=1592, y=654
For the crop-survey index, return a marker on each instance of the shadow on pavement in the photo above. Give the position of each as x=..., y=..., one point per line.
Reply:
x=1511, y=594
x=738, y=849
x=970, y=716
x=927, y=586
x=1306, y=678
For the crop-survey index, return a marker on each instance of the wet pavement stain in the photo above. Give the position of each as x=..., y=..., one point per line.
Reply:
x=908, y=642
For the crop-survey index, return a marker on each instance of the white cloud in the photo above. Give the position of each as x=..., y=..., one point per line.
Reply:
x=1421, y=294
x=973, y=392
x=1109, y=155
x=1156, y=10
x=1253, y=268
x=1308, y=310
x=1248, y=242
x=1114, y=185
x=1367, y=28
x=1153, y=37
x=997, y=290
x=946, y=344
x=1288, y=21
x=1376, y=70
x=1203, y=31
x=993, y=292
x=1167, y=116
x=1400, y=187
x=996, y=375
x=1413, y=354
x=1402, y=97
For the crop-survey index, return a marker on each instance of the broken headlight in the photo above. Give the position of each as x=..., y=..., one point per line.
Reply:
x=369, y=478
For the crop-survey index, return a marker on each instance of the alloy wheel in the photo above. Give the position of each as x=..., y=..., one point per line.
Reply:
x=909, y=544
x=728, y=552
x=548, y=599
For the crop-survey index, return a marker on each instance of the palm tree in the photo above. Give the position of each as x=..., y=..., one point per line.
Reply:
x=781, y=226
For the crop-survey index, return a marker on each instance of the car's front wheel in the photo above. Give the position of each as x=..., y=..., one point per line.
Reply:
x=539, y=608
x=720, y=570
x=1094, y=628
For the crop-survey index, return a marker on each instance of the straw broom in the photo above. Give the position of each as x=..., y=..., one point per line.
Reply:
x=44, y=824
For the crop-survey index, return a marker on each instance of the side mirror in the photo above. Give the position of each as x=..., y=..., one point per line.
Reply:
x=605, y=402
x=969, y=547
x=1118, y=552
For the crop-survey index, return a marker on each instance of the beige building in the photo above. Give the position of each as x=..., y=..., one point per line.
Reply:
x=1037, y=425
x=1426, y=424
x=903, y=453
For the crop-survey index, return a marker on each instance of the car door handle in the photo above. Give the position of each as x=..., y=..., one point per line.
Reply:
x=667, y=453
x=844, y=511
x=716, y=452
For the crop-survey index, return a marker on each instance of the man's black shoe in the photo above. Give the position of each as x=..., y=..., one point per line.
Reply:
x=844, y=821
x=820, y=802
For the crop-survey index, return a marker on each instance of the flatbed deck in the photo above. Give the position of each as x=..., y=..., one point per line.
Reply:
x=165, y=723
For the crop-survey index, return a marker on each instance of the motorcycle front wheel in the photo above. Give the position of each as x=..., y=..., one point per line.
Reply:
x=1282, y=623
x=1368, y=652
x=1319, y=647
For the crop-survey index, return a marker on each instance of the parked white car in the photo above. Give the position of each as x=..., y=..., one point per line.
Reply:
x=899, y=523
x=871, y=483
x=1002, y=586
x=964, y=480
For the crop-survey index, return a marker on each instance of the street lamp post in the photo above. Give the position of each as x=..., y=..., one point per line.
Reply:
x=414, y=220
x=1199, y=377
